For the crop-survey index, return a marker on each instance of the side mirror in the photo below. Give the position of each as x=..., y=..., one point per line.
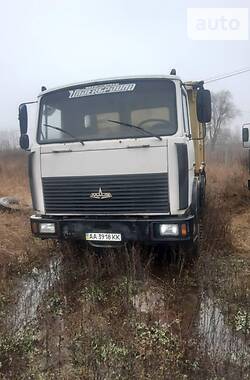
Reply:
x=23, y=122
x=24, y=142
x=203, y=105
x=245, y=134
x=23, y=119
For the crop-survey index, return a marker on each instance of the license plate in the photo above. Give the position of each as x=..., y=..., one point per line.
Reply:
x=103, y=236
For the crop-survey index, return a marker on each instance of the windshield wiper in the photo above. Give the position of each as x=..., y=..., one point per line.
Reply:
x=66, y=133
x=136, y=127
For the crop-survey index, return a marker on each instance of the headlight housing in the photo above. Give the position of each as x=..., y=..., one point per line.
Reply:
x=47, y=228
x=169, y=229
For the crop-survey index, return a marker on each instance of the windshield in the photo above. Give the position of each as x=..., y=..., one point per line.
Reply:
x=86, y=112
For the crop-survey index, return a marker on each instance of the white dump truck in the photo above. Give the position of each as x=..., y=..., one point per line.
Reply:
x=119, y=160
x=246, y=144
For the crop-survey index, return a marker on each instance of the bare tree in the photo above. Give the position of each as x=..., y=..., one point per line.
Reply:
x=9, y=140
x=223, y=110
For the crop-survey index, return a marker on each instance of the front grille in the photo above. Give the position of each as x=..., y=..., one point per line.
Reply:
x=133, y=193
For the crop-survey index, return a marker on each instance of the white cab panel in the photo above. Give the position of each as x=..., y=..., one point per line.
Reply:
x=104, y=158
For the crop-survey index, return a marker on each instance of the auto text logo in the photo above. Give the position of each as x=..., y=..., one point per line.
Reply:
x=101, y=89
x=217, y=24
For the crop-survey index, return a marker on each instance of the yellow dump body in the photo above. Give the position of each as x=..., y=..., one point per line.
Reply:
x=197, y=128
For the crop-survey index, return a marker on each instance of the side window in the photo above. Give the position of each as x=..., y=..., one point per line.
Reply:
x=185, y=114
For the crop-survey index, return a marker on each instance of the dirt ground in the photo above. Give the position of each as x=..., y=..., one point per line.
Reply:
x=133, y=313
x=241, y=231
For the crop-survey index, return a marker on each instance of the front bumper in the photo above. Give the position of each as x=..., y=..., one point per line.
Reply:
x=131, y=229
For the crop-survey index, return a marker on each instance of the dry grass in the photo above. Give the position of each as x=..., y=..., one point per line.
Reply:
x=227, y=197
x=227, y=179
x=17, y=246
x=14, y=175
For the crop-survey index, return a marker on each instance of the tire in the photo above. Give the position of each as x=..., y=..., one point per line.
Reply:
x=192, y=249
x=202, y=191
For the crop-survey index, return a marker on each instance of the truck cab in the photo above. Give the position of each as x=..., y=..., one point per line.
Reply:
x=246, y=144
x=118, y=160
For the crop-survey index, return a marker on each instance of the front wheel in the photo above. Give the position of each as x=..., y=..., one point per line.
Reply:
x=202, y=192
x=191, y=249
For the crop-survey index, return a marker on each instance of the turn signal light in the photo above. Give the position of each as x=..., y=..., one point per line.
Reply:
x=183, y=230
x=34, y=227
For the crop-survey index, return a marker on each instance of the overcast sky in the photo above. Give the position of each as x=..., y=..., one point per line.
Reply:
x=55, y=42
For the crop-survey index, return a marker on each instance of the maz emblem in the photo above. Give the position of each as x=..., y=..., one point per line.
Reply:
x=101, y=195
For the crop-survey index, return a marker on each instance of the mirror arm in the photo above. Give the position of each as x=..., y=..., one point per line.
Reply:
x=204, y=130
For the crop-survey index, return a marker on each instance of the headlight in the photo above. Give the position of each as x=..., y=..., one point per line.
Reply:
x=47, y=228
x=169, y=229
